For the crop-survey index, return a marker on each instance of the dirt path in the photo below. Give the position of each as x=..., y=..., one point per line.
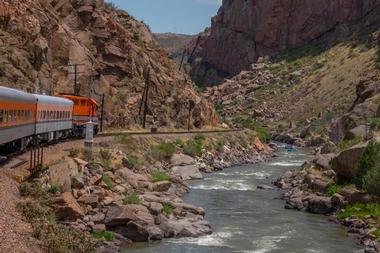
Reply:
x=15, y=233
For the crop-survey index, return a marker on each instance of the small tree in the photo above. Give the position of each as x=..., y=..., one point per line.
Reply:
x=369, y=159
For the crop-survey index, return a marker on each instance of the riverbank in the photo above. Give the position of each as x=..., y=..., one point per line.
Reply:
x=313, y=188
x=247, y=219
x=129, y=189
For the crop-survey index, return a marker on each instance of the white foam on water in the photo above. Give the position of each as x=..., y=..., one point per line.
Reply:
x=213, y=240
x=227, y=187
x=286, y=164
x=268, y=243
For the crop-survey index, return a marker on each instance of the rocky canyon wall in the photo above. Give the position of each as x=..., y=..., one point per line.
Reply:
x=245, y=30
x=41, y=39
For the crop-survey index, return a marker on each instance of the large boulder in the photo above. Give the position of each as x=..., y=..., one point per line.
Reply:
x=140, y=233
x=187, y=172
x=134, y=179
x=181, y=159
x=122, y=215
x=319, y=205
x=66, y=208
x=163, y=186
x=344, y=164
x=184, y=227
x=323, y=161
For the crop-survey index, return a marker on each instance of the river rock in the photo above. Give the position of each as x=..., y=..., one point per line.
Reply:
x=355, y=196
x=184, y=228
x=140, y=233
x=264, y=187
x=323, y=161
x=163, y=186
x=121, y=215
x=89, y=199
x=187, y=172
x=294, y=203
x=319, y=205
x=344, y=164
x=155, y=208
x=338, y=200
x=181, y=159
x=319, y=186
x=66, y=208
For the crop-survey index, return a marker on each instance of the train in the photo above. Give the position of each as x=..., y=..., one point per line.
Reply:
x=26, y=118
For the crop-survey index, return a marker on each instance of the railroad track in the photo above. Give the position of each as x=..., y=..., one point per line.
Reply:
x=14, y=161
x=184, y=132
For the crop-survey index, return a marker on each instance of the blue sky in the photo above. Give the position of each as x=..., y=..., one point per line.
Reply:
x=177, y=16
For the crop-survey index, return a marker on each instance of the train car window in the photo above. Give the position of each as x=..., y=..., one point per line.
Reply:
x=1, y=116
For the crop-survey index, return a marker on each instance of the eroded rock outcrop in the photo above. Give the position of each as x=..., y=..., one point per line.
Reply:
x=41, y=40
x=245, y=30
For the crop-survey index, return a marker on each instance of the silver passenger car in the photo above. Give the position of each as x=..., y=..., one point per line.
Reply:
x=17, y=110
x=53, y=116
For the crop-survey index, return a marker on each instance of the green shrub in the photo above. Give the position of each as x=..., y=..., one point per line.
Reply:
x=87, y=155
x=159, y=176
x=54, y=188
x=34, y=190
x=179, y=143
x=332, y=189
x=168, y=209
x=132, y=199
x=345, y=144
x=371, y=181
x=106, y=235
x=194, y=147
x=360, y=210
x=219, y=145
x=60, y=238
x=34, y=210
x=74, y=152
x=263, y=135
x=132, y=162
x=164, y=150
x=126, y=140
x=369, y=159
x=105, y=154
x=219, y=107
x=375, y=124
x=107, y=181
x=377, y=58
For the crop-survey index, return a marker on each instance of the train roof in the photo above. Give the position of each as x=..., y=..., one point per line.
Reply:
x=74, y=97
x=53, y=100
x=13, y=95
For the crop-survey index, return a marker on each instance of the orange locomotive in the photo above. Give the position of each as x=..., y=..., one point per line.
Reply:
x=85, y=109
x=25, y=117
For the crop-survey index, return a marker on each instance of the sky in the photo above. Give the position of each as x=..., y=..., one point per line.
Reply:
x=176, y=16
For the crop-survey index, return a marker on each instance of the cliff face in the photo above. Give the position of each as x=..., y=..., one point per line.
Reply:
x=41, y=39
x=244, y=30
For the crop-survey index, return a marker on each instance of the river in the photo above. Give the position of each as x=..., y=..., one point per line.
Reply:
x=246, y=220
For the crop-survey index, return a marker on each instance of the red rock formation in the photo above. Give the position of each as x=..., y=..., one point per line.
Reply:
x=244, y=30
x=40, y=39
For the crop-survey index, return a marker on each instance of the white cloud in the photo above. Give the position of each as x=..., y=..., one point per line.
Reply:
x=213, y=2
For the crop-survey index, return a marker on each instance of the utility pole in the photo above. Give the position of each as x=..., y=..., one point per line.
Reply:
x=102, y=114
x=191, y=107
x=366, y=127
x=76, y=73
x=145, y=97
x=183, y=57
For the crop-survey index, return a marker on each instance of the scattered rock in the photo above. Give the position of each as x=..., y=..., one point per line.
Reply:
x=66, y=208
x=161, y=186
x=187, y=172
x=181, y=159
x=264, y=187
